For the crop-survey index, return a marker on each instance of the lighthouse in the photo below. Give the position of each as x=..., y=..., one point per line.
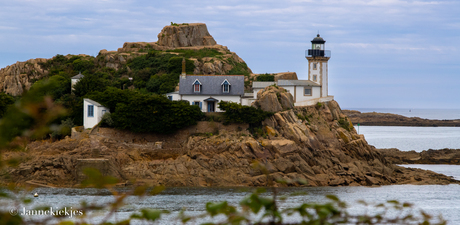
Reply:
x=317, y=58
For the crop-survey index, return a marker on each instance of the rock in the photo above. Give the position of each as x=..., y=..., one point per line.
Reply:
x=185, y=35
x=284, y=146
x=273, y=99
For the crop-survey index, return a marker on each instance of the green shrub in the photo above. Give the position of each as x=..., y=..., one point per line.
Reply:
x=345, y=124
x=237, y=113
x=138, y=112
x=5, y=102
x=266, y=77
x=200, y=53
x=319, y=105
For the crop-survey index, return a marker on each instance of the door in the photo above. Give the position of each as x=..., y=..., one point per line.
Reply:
x=210, y=106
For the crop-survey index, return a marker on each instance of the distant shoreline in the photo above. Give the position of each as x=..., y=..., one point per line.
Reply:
x=389, y=119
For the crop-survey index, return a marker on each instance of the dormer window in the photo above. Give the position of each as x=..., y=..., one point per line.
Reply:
x=197, y=86
x=226, y=86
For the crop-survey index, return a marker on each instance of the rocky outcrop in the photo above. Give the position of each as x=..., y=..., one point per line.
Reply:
x=297, y=145
x=388, y=119
x=194, y=36
x=19, y=77
x=16, y=78
x=441, y=156
x=185, y=35
x=274, y=99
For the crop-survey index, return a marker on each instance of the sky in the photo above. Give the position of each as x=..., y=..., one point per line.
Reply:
x=385, y=53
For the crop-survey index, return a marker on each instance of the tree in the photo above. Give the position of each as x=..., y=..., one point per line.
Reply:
x=5, y=101
x=89, y=83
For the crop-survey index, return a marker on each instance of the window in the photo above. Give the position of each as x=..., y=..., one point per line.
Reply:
x=196, y=86
x=225, y=86
x=170, y=97
x=198, y=103
x=315, y=66
x=307, y=91
x=90, y=110
x=314, y=77
x=104, y=111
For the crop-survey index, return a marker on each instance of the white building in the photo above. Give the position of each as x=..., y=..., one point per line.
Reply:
x=207, y=91
x=313, y=90
x=92, y=113
x=75, y=79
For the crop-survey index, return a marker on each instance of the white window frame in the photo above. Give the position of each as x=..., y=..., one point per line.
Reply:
x=196, y=82
x=225, y=83
x=90, y=111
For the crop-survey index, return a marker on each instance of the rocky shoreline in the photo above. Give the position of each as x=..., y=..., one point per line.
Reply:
x=388, y=119
x=314, y=144
x=441, y=156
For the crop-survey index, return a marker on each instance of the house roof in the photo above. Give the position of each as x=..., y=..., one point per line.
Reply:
x=212, y=84
x=262, y=84
x=93, y=102
x=78, y=76
x=297, y=83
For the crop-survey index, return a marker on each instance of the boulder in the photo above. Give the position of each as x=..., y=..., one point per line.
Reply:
x=185, y=35
x=274, y=99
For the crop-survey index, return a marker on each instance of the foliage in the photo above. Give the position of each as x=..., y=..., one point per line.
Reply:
x=318, y=105
x=89, y=83
x=5, y=101
x=64, y=129
x=138, y=112
x=266, y=77
x=162, y=84
x=62, y=87
x=198, y=54
x=239, y=68
x=32, y=115
x=345, y=124
x=237, y=113
x=106, y=120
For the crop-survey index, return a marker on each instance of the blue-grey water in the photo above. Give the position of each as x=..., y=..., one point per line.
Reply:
x=411, y=138
x=433, y=199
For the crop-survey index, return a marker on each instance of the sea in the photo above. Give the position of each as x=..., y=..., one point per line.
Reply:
x=436, y=200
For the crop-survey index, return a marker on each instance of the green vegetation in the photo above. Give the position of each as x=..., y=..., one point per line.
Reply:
x=134, y=111
x=239, y=68
x=345, y=124
x=266, y=77
x=198, y=54
x=237, y=113
x=5, y=102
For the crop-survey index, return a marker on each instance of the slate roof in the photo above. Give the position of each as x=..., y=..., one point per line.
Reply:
x=297, y=83
x=211, y=84
x=78, y=76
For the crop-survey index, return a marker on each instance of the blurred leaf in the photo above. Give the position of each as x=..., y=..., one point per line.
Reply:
x=96, y=179
x=157, y=190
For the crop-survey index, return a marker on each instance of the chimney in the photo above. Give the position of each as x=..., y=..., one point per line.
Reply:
x=183, y=74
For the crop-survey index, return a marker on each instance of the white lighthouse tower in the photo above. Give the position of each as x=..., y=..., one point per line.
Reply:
x=317, y=58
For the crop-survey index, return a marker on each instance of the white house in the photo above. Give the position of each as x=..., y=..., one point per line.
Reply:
x=313, y=90
x=207, y=91
x=75, y=79
x=92, y=113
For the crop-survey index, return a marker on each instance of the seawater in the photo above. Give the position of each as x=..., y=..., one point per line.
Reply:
x=433, y=199
x=411, y=138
